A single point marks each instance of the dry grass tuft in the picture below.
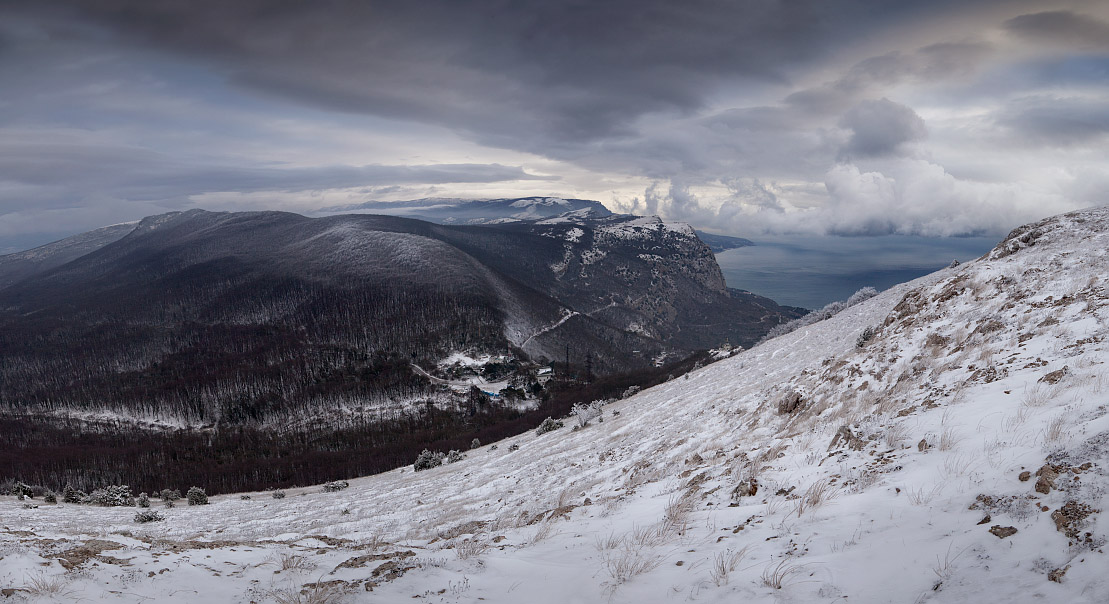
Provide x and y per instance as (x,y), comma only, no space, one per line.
(1056,429)
(318,593)
(818,493)
(630,562)
(724,563)
(608,543)
(373,543)
(895,435)
(949,439)
(52,587)
(777,576)
(1035,395)
(678,510)
(650,535)
(946,567)
(545,530)
(471,548)
(1015,421)
(957,465)
(922,497)
(294,562)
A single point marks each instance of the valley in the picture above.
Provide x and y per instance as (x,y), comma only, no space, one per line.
(207,332)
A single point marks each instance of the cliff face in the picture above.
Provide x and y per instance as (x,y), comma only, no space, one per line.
(648,277)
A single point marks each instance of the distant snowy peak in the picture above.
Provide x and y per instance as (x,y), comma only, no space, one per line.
(531,202)
(479,211)
(538,210)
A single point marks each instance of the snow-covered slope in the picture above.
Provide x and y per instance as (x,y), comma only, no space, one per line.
(21,265)
(959,455)
(479,211)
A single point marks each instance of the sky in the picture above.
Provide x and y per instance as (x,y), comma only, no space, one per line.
(773,118)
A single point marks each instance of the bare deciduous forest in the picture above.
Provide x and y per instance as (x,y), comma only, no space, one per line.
(240,457)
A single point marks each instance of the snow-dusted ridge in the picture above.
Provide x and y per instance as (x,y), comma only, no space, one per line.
(897,475)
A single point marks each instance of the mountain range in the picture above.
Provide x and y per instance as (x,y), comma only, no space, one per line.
(944,441)
(196,318)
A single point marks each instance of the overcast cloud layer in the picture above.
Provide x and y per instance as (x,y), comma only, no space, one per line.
(822,117)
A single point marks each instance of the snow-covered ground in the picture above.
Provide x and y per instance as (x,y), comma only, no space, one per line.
(960,455)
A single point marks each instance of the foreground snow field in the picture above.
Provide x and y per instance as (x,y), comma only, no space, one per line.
(960,455)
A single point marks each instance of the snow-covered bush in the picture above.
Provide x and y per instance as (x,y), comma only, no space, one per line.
(335,486)
(454,455)
(630,391)
(862,295)
(112,495)
(514,447)
(148,516)
(475,443)
(197,496)
(427,460)
(169,495)
(548,425)
(279,494)
(50,497)
(586,412)
(72,495)
(866,336)
(143,501)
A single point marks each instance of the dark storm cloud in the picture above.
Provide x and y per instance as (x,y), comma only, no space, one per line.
(881,128)
(933,62)
(525,75)
(1057,121)
(138,174)
(765,106)
(1062,27)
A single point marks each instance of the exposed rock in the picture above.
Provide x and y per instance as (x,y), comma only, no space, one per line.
(923,445)
(1025,476)
(906,308)
(472,527)
(360,561)
(1057,574)
(1002,532)
(1019,238)
(846,438)
(985,520)
(789,402)
(1046,481)
(935,340)
(1070,517)
(746,488)
(77,556)
(1055,376)
(989,327)
(390,570)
